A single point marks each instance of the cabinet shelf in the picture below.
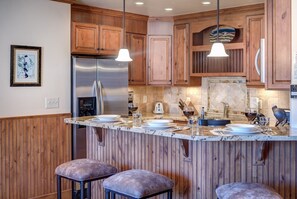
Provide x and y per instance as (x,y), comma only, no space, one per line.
(227,47)
(227,66)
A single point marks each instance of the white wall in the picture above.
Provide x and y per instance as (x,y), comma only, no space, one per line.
(41,23)
(293,102)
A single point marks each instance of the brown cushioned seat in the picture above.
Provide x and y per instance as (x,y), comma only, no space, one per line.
(138,183)
(241,190)
(85,170)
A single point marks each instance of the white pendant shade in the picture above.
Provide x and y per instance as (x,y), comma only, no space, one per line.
(124,55)
(217,50)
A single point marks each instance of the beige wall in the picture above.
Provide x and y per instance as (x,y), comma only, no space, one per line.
(41,23)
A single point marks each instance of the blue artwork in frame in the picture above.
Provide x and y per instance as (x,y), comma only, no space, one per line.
(25,66)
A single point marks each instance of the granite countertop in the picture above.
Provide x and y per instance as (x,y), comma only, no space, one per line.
(196,133)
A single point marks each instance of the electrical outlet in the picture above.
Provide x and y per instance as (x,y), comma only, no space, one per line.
(144,99)
(51,103)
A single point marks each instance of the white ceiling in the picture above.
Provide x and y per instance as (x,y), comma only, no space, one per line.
(155,8)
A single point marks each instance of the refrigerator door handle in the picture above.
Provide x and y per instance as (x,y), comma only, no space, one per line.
(263,61)
(101,98)
(96,93)
(256,62)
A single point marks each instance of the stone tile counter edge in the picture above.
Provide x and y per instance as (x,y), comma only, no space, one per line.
(196,133)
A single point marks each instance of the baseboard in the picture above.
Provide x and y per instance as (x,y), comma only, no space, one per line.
(65,195)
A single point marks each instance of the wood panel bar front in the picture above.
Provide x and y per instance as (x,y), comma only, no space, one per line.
(209,165)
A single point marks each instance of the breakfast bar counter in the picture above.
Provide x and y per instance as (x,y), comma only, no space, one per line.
(195,133)
(198,159)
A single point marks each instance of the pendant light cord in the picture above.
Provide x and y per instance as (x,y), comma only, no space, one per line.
(218,19)
(124,23)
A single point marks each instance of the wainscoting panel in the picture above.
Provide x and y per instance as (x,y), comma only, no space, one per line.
(210,164)
(31,148)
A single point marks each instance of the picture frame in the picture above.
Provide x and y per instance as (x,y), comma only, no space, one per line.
(25,66)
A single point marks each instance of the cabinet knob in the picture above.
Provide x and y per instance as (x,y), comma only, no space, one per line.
(98,48)
(186,80)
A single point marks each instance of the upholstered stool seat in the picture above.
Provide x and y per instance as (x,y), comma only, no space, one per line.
(83,171)
(240,190)
(138,184)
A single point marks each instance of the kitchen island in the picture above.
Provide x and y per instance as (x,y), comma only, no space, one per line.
(196,159)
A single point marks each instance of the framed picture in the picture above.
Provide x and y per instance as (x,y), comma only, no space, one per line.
(25,65)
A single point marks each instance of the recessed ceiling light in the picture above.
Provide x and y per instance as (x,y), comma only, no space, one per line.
(139,3)
(205,2)
(168,9)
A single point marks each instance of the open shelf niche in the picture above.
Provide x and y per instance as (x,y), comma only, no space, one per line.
(229,66)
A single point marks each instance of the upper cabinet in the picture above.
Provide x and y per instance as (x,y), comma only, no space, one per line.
(85,38)
(181,74)
(255,32)
(159,60)
(232,33)
(136,44)
(95,39)
(110,39)
(278,44)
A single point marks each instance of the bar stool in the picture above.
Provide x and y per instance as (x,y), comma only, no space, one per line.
(239,190)
(137,184)
(83,171)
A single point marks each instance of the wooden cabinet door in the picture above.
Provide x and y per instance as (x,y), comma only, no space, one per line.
(84,38)
(160,60)
(278,21)
(181,55)
(255,31)
(110,40)
(137,68)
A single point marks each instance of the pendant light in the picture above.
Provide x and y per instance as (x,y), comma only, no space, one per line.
(218,49)
(124,55)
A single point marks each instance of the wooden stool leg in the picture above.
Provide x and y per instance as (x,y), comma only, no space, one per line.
(169,194)
(89,190)
(82,187)
(107,195)
(112,195)
(58,187)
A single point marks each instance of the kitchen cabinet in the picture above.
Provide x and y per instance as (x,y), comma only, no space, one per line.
(136,44)
(278,44)
(160,60)
(95,39)
(255,31)
(181,65)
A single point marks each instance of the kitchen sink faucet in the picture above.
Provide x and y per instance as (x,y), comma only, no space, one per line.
(226,110)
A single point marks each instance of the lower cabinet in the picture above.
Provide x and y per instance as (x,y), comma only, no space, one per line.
(136,44)
(159,64)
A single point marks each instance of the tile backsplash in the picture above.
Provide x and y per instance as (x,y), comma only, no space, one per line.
(210,95)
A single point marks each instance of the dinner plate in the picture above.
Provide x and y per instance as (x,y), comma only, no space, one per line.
(108,118)
(159,122)
(244,128)
(250,132)
(146,126)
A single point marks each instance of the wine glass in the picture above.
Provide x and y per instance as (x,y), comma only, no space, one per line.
(188,111)
(250,115)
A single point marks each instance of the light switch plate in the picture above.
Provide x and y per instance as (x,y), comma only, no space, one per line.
(51,103)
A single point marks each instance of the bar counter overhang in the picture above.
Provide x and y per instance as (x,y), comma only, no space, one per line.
(197,161)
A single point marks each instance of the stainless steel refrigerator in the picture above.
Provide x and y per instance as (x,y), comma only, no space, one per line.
(99,86)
